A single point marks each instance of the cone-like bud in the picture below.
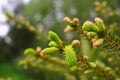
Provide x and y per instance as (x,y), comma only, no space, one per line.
(67,19)
(54,37)
(50,50)
(68,28)
(91,34)
(38,49)
(98,42)
(75,20)
(92,64)
(99,23)
(29,51)
(42,53)
(22,62)
(70,56)
(52,44)
(90,26)
(75,43)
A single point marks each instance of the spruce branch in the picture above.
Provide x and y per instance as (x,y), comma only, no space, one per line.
(44,63)
(31,56)
(71,57)
(97,69)
(97,33)
(112,42)
(23,23)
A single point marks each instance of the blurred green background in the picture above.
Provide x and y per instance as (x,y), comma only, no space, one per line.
(47,15)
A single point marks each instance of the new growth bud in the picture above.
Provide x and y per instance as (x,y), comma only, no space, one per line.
(42,53)
(38,49)
(99,23)
(93,65)
(50,50)
(90,26)
(91,34)
(54,37)
(75,43)
(68,28)
(75,20)
(22,62)
(70,56)
(97,42)
(29,51)
(67,19)
(52,44)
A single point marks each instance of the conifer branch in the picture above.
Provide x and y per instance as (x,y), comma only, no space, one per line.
(97,33)
(21,22)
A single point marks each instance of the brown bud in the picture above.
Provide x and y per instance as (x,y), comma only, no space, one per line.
(42,53)
(66,19)
(93,40)
(75,20)
(38,49)
(76,43)
(68,28)
(96,44)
